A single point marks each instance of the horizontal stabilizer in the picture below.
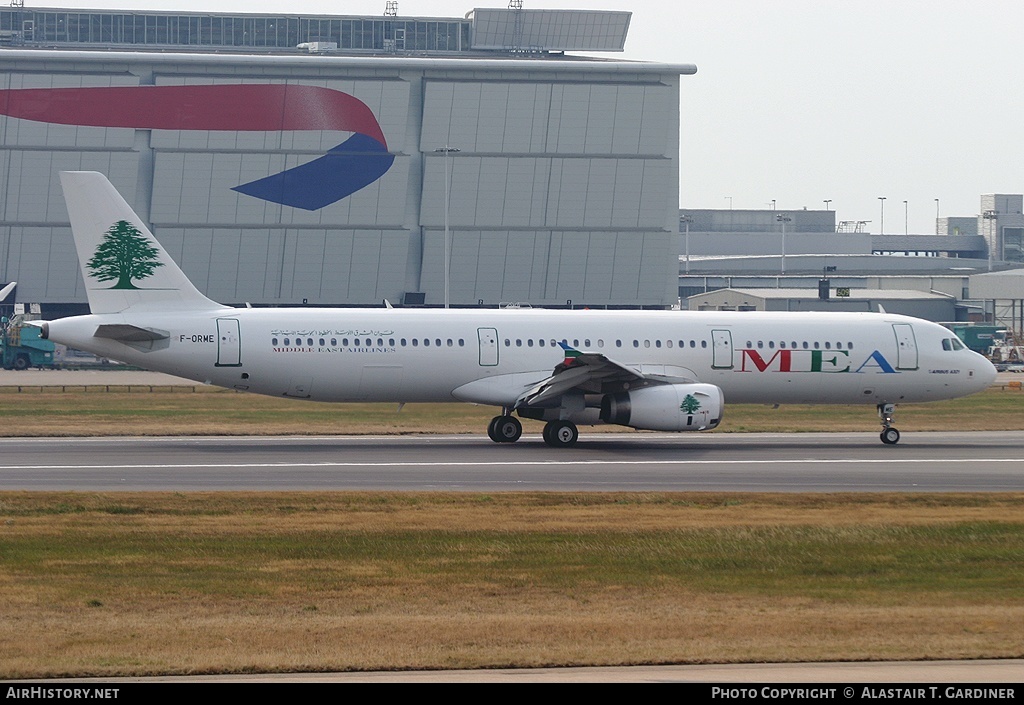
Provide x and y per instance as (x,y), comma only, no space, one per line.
(125,333)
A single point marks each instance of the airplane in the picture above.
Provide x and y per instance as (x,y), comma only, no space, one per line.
(653,370)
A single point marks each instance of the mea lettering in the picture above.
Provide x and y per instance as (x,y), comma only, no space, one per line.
(811,361)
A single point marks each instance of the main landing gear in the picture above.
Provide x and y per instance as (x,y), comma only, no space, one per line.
(561,434)
(557,434)
(890,436)
(504,429)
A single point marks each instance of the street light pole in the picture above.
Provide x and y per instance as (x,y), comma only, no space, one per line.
(881,225)
(906,218)
(447,199)
(686,221)
(991,219)
(783,218)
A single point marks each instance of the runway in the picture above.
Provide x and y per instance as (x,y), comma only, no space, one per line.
(721,462)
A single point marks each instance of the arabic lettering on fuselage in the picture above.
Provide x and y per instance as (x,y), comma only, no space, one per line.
(322,332)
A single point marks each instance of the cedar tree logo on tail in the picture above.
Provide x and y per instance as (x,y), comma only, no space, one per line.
(124,254)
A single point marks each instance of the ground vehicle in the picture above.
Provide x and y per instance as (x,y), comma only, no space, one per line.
(22,347)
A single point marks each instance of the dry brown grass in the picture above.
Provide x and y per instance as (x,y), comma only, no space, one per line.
(233,582)
(210,411)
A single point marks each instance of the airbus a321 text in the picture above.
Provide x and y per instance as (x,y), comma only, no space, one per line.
(657,370)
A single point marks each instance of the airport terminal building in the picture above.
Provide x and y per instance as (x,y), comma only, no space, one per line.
(291,159)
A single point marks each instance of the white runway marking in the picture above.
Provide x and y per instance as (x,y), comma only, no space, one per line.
(510,463)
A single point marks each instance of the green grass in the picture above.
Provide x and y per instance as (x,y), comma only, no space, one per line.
(145,549)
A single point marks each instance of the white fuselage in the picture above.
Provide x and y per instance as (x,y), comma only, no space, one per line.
(406,355)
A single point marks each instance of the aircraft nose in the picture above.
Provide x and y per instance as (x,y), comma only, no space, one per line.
(985,373)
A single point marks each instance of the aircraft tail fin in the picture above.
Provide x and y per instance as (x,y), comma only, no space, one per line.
(122,264)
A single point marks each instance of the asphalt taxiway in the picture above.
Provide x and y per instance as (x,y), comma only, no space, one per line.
(754,462)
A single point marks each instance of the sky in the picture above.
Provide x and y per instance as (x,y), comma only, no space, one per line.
(799,102)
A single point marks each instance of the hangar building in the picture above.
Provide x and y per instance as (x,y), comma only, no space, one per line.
(284,159)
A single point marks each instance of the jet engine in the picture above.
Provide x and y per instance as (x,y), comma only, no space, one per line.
(666,407)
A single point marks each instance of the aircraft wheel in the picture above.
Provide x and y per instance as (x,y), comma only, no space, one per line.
(561,434)
(492,429)
(505,429)
(890,436)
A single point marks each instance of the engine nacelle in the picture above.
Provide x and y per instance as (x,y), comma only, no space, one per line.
(666,407)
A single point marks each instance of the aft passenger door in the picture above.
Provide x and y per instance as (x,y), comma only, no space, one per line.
(229,343)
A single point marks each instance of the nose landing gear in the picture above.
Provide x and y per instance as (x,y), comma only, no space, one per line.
(890,436)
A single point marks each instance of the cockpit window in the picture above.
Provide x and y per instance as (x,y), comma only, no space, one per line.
(952,344)
(957,345)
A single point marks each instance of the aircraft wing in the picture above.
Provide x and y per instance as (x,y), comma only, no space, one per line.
(589,372)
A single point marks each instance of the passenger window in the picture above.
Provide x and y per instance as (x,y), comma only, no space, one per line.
(309,342)
(273,341)
(657,343)
(529,343)
(402,341)
(519,342)
(415,342)
(437,342)
(828,345)
(451,343)
(541,342)
(322,342)
(462,343)
(618,343)
(771,344)
(647,343)
(703,343)
(586,342)
(636,343)
(334,342)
